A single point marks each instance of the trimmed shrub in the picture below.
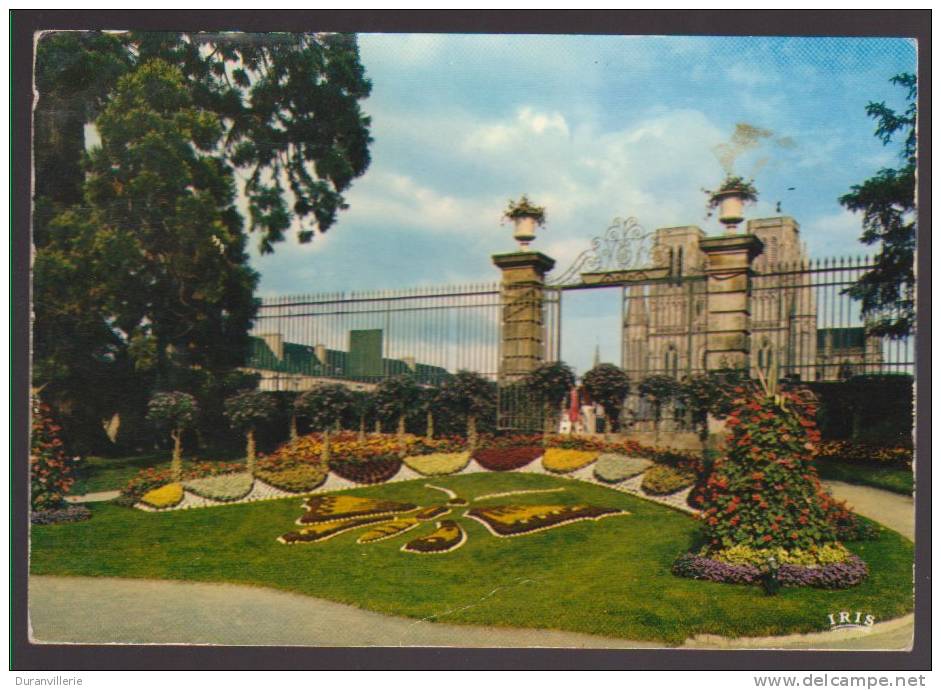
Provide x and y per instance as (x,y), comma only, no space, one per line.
(435,464)
(295,480)
(765,493)
(166,496)
(614,467)
(227,487)
(562,460)
(58,516)
(661,480)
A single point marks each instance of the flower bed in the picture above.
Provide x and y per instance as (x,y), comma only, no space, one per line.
(297,480)
(505,459)
(338,507)
(661,480)
(448,537)
(612,468)
(346,445)
(431,513)
(437,464)
(387,530)
(153,478)
(516,520)
(58,516)
(372,470)
(745,555)
(841,575)
(226,487)
(166,496)
(325,530)
(865,453)
(562,460)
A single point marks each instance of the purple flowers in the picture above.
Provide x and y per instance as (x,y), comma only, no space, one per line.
(831,576)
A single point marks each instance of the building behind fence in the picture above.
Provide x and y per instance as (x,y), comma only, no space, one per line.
(697,303)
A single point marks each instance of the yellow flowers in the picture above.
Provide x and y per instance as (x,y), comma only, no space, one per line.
(567,460)
(334,507)
(516,520)
(436,464)
(166,496)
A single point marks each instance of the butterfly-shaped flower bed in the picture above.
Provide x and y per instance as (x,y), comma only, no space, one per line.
(330,515)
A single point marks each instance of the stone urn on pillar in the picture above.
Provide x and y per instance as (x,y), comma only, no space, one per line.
(526,217)
(730,199)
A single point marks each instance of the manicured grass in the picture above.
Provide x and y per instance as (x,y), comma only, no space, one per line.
(610,577)
(893,479)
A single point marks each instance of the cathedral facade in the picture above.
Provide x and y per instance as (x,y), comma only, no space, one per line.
(665,322)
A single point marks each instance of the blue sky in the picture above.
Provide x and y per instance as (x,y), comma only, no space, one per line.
(592,127)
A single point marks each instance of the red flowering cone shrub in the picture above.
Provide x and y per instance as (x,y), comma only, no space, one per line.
(765,493)
(52,472)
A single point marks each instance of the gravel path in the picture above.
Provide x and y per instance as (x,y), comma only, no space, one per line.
(94,610)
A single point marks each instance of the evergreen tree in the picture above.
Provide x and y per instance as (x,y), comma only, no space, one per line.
(887,202)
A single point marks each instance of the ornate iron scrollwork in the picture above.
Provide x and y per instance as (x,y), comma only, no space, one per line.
(624,246)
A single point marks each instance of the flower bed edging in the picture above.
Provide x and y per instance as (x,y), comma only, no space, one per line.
(831,576)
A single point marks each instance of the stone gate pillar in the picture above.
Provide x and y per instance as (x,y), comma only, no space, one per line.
(522,346)
(728,277)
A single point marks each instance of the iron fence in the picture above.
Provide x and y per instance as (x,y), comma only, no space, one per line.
(364,337)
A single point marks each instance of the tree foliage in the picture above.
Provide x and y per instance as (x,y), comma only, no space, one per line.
(324,404)
(141,278)
(661,390)
(887,204)
(550,382)
(246,410)
(609,386)
(472,396)
(396,397)
(711,393)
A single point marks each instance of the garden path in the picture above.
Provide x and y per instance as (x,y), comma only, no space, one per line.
(94,610)
(892,510)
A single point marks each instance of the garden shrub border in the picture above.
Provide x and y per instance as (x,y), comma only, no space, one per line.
(498,459)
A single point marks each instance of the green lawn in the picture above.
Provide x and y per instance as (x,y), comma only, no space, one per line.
(893,479)
(610,577)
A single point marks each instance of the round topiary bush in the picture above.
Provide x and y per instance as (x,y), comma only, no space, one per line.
(613,468)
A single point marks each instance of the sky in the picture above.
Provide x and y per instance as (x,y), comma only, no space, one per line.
(592,128)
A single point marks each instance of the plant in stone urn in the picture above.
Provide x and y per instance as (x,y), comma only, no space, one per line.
(730,198)
(526,216)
